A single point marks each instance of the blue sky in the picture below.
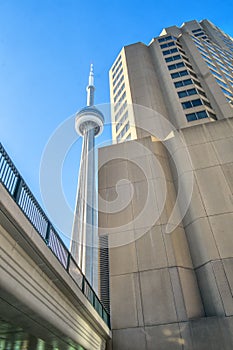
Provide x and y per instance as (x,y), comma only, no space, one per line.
(46,48)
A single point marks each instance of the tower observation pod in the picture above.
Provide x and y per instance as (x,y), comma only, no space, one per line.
(89,123)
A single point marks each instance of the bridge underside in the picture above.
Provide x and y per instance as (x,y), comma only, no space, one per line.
(13,337)
(41,307)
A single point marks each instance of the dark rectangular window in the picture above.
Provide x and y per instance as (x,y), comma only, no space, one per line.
(165,39)
(191,117)
(176,65)
(167,45)
(188,92)
(167,52)
(172,58)
(196,30)
(190,104)
(186,105)
(180,83)
(196,102)
(179,74)
(198,34)
(188,81)
(195,116)
(201,115)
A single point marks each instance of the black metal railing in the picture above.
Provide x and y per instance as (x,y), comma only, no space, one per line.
(19,191)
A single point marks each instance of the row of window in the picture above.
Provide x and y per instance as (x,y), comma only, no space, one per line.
(167,38)
(211,66)
(118,84)
(168,52)
(196,115)
(173,58)
(188,92)
(123,107)
(117,77)
(193,103)
(119,92)
(215,73)
(176,66)
(198,34)
(163,46)
(117,61)
(186,82)
(123,131)
(122,120)
(200,115)
(117,69)
(119,101)
(220,82)
(226,92)
(179,74)
(196,30)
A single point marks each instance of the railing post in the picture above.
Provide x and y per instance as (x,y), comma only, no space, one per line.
(47,233)
(83,285)
(18,188)
(68,262)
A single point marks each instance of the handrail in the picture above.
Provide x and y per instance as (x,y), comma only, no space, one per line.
(20,192)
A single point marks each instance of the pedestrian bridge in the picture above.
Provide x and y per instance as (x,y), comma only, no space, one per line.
(45,301)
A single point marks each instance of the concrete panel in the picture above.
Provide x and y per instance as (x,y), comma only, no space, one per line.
(223,287)
(157,297)
(224,149)
(145,209)
(203,155)
(195,135)
(220,130)
(191,293)
(130,339)
(124,301)
(139,169)
(178,294)
(214,190)
(164,337)
(228,172)
(119,207)
(201,242)
(210,333)
(222,227)
(228,267)
(181,248)
(196,207)
(123,259)
(211,298)
(116,170)
(152,243)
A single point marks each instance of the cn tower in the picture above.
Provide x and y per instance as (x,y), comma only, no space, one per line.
(89,123)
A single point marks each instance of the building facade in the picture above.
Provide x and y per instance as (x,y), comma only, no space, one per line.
(185,74)
(166,195)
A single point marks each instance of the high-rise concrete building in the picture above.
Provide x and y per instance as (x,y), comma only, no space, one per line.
(185,74)
(84,241)
(166,195)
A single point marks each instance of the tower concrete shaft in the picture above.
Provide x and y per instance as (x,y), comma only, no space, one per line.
(84,243)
